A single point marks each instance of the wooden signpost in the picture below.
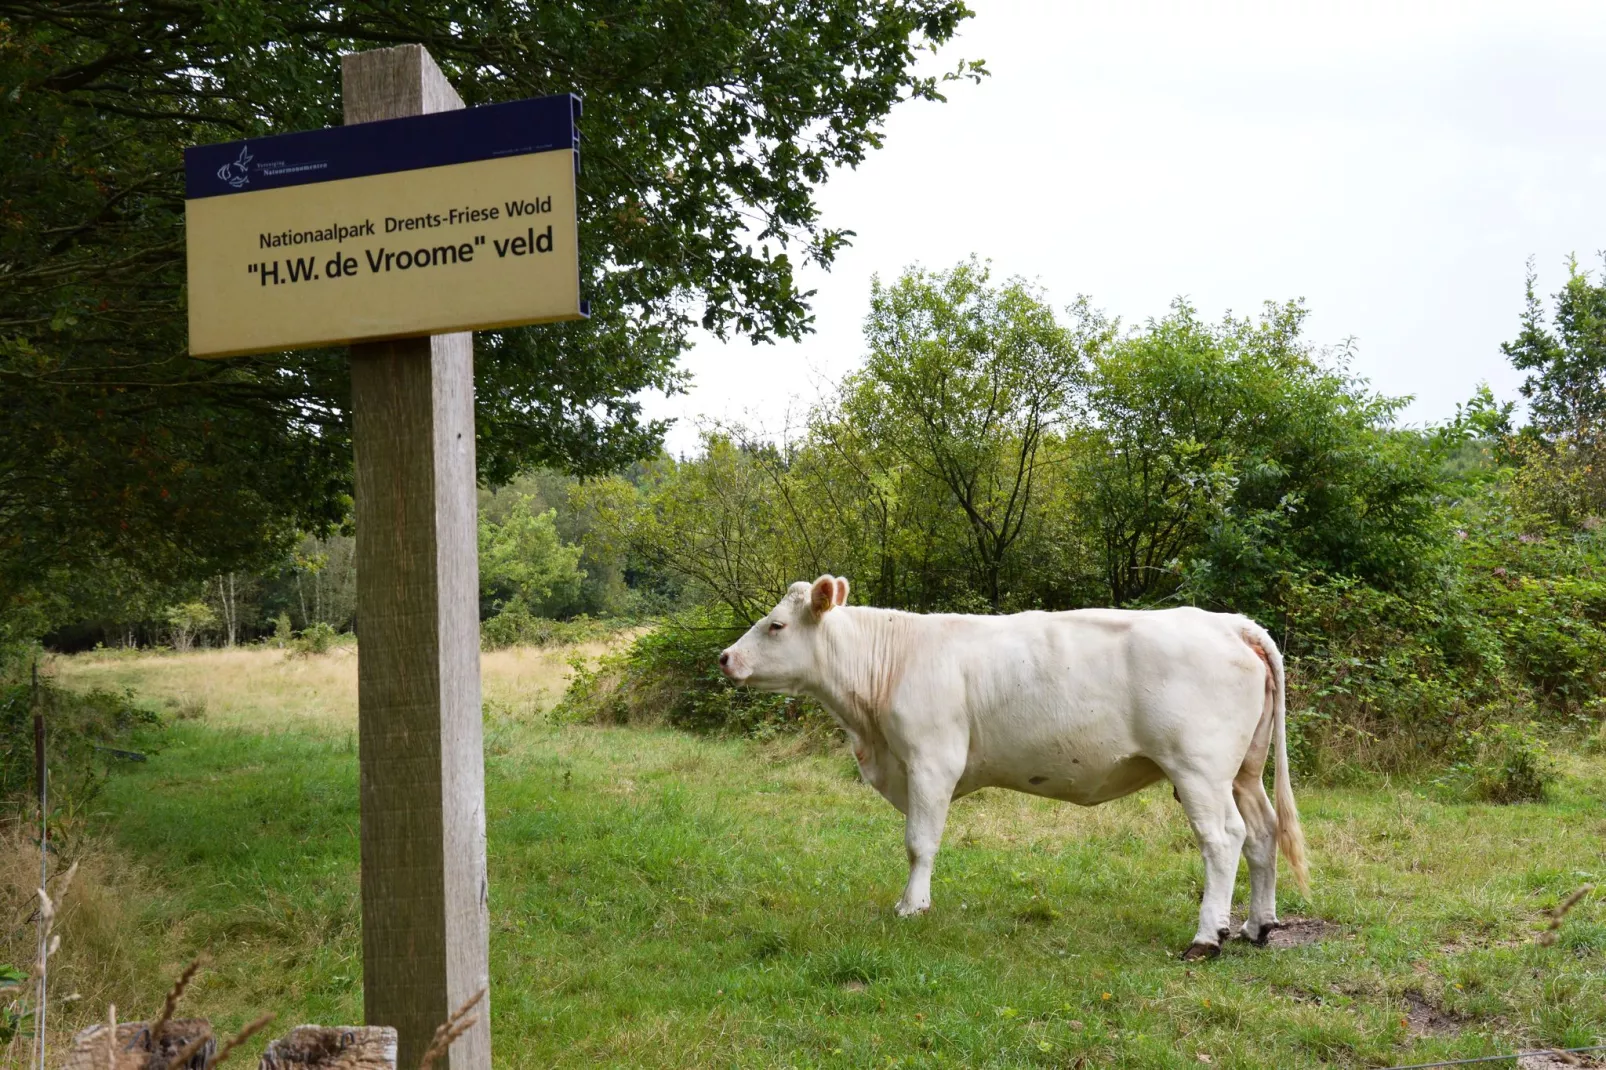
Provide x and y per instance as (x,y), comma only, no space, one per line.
(382,235)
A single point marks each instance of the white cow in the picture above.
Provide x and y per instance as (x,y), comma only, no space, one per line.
(1083,706)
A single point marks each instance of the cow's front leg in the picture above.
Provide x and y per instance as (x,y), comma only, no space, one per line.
(930,790)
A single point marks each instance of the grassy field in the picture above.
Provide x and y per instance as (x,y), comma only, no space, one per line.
(664,900)
(263,689)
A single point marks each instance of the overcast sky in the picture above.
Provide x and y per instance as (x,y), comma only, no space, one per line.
(1392,164)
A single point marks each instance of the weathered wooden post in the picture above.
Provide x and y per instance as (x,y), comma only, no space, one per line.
(416,219)
(425,924)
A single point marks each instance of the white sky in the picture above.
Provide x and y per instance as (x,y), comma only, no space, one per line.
(1394,164)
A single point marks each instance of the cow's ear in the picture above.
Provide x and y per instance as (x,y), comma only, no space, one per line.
(841,591)
(822,596)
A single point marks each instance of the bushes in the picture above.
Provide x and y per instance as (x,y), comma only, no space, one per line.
(1501,631)
(315,638)
(1379,679)
(1503,763)
(671,675)
(1544,595)
(1508,630)
(515,625)
(82,731)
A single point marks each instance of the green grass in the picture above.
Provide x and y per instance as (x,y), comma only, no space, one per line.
(663,900)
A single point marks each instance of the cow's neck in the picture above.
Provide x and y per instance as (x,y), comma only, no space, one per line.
(862,654)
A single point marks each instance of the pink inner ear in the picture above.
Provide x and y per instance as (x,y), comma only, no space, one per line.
(841,591)
(822,595)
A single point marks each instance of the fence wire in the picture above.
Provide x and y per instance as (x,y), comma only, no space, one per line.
(1499,1058)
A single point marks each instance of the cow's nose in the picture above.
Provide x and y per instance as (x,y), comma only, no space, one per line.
(724,659)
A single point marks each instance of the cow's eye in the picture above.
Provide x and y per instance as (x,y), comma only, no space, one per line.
(776,626)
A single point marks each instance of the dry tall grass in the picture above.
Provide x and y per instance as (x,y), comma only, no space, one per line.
(534,678)
(101,953)
(261,687)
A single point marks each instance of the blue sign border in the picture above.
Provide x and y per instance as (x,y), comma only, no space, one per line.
(516,128)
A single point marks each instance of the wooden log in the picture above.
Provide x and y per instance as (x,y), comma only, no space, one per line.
(133,1046)
(424,889)
(346,1047)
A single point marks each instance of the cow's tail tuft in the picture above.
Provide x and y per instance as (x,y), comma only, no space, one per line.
(1290,836)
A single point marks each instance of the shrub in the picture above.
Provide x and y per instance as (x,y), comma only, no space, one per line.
(83,733)
(1544,594)
(671,675)
(1510,620)
(315,638)
(283,634)
(1382,680)
(515,625)
(1503,763)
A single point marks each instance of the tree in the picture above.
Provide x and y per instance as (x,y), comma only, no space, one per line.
(1566,385)
(708,126)
(716,522)
(964,381)
(323,575)
(603,590)
(234,592)
(1222,459)
(187,621)
(523,559)
(1562,479)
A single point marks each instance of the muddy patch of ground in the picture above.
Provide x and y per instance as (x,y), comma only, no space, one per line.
(1423,1019)
(1297,932)
(1474,942)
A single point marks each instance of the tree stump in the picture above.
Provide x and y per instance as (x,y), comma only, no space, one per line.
(350,1047)
(133,1046)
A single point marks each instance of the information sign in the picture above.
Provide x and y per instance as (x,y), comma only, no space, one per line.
(430,224)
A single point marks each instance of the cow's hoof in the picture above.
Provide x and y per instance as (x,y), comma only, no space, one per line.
(1263,937)
(906,911)
(1197,951)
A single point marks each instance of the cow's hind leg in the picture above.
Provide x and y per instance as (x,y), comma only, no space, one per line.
(930,790)
(1260,848)
(1220,831)
(1260,819)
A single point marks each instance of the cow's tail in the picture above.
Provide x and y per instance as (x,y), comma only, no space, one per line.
(1290,836)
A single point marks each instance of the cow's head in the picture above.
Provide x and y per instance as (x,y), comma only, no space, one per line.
(778,653)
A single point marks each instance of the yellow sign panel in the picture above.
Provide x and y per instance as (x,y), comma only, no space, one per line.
(452,221)
(469,246)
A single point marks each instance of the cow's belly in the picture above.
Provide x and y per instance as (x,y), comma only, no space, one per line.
(1086,775)
(1092,786)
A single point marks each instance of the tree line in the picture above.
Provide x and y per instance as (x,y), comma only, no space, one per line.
(537,563)
(995,453)
(126,465)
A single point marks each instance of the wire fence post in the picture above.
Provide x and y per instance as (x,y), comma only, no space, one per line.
(41,782)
